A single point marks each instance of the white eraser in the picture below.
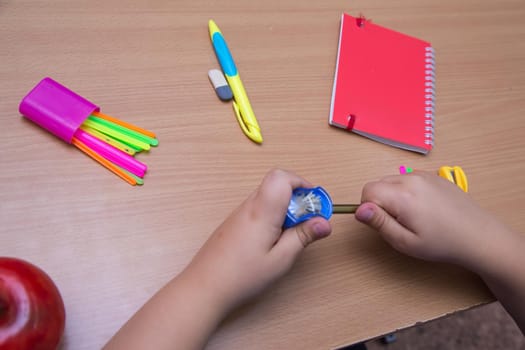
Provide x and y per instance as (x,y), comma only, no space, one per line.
(220,84)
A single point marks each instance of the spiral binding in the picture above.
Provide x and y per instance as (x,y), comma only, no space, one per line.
(430,95)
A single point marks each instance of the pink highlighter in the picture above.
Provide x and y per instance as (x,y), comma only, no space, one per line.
(77,121)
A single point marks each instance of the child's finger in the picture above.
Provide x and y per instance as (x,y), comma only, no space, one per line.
(279,177)
(391,196)
(273,195)
(295,239)
(392,231)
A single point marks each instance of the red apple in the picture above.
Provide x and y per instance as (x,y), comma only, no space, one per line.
(32,314)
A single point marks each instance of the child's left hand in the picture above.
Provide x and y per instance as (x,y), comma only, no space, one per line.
(245,254)
(249,250)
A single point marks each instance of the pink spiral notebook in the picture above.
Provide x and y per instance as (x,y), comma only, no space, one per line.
(384,85)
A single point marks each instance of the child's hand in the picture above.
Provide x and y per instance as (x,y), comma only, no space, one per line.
(419,214)
(245,254)
(426,216)
(249,250)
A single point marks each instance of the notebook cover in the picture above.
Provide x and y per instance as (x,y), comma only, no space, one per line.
(384,85)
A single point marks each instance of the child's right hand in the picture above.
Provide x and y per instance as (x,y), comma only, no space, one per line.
(428,217)
(425,216)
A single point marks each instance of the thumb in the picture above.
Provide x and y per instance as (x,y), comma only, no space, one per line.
(295,239)
(398,236)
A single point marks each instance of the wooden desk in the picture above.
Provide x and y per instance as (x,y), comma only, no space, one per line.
(110,246)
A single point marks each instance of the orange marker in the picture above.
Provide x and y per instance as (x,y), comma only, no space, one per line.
(124,124)
(103,161)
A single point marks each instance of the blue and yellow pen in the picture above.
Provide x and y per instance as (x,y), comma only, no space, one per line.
(241,104)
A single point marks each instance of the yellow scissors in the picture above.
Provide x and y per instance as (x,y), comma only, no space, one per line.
(455,175)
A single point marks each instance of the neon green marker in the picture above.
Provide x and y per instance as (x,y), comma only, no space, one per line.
(117,134)
(108,139)
(144,138)
(138,179)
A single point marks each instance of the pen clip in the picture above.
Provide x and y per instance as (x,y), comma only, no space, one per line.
(252,132)
(455,175)
(460,178)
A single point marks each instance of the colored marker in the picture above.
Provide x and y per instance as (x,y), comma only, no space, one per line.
(104,162)
(124,124)
(117,135)
(112,154)
(131,133)
(108,139)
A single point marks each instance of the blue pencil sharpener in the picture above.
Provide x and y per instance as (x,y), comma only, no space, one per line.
(307,203)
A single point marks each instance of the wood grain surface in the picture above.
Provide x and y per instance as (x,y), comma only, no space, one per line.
(110,246)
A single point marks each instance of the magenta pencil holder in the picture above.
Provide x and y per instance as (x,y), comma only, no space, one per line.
(74,119)
(56,108)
